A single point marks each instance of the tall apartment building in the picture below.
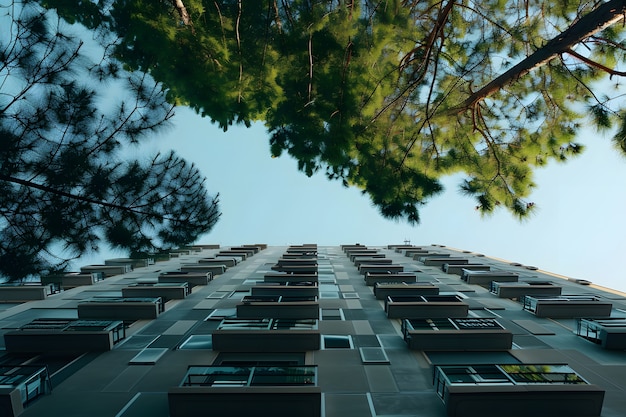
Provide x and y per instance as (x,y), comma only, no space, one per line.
(341,331)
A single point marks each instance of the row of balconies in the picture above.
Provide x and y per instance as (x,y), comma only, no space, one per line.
(491,389)
(100,324)
(280,315)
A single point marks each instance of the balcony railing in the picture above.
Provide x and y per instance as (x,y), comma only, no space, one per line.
(610,332)
(65,335)
(27,381)
(516,390)
(566,306)
(250,376)
(456,334)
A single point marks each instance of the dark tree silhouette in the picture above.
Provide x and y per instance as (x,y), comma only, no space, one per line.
(65,185)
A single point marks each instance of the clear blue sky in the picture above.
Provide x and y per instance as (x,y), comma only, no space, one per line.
(577,230)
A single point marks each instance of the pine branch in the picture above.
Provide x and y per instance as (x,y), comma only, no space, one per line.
(593,22)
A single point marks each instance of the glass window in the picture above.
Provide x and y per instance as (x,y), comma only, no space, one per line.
(199,341)
(336,342)
(332,314)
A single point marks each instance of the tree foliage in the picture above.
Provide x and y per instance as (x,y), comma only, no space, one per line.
(391,95)
(64,184)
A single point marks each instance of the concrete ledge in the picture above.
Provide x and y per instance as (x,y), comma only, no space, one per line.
(227,262)
(485,278)
(358,261)
(210,268)
(119,310)
(167,291)
(393,269)
(373,278)
(19,341)
(460,340)
(460,269)
(523,401)
(440,261)
(192,278)
(107,270)
(23,293)
(519,289)
(266,340)
(383,290)
(275,401)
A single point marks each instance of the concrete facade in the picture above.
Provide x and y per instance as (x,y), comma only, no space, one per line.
(363,366)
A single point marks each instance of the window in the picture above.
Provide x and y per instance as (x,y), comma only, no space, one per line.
(198,341)
(332,314)
(336,342)
(242,376)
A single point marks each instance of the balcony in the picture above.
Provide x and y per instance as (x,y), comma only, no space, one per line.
(167,291)
(107,270)
(65,335)
(516,290)
(425,306)
(353,256)
(301,255)
(519,390)
(296,267)
(290,277)
(119,308)
(382,290)
(610,333)
(288,289)
(428,254)
(242,255)
(359,260)
(410,253)
(460,269)
(204,268)
(485,278)
(78,279)
(373,278)
(380,269)
(18,292)
(227,262)
(220,391)
(280,307)
(21,384)
(566,306)
(439,262)
(297,261)
(134,263)
(460,334)
(191,278)
(266,335)
(302,249)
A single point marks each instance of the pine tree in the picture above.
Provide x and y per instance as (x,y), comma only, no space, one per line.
(392,95)
(65,186)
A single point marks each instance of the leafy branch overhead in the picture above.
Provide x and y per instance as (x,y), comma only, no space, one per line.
(390,95)
(64,185)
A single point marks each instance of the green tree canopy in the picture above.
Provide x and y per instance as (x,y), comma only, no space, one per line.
(65,186)
(390,95)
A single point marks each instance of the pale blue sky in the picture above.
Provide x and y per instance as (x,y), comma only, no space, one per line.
(577,230)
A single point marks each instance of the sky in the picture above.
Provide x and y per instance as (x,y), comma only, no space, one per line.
(576,231)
